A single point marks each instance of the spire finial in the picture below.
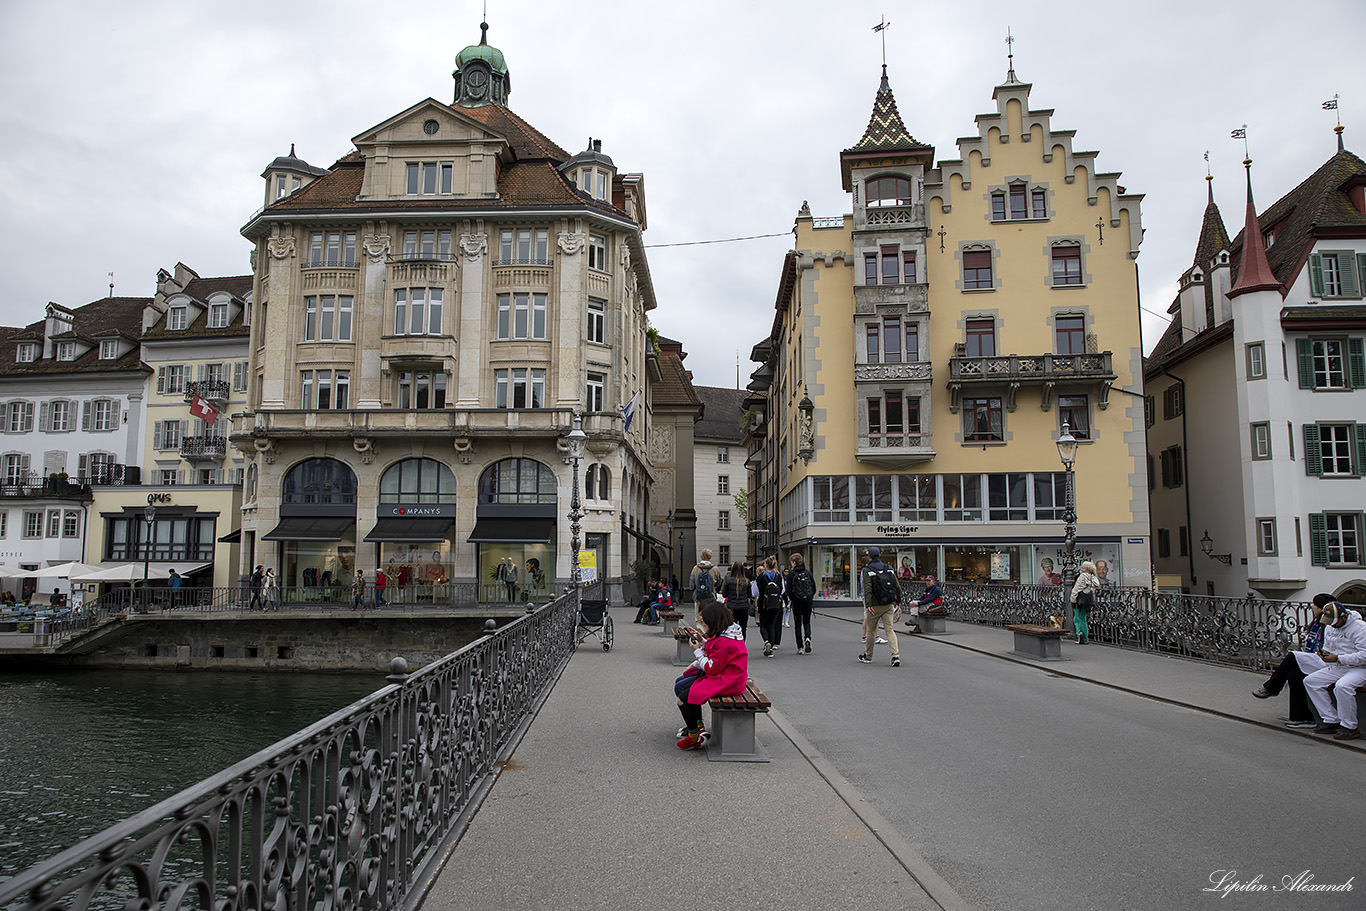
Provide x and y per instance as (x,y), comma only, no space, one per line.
(1338,129)
(291,150)
(882,27)
(1010,56)
(483,34)
(1209,177)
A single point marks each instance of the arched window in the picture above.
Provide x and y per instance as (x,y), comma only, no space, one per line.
(598,483)
(888,191)
(417,481)
(317,481)
(518,481)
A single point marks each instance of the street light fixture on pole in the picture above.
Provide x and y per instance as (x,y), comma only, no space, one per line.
(149,513)
(578,441)
(1067,451)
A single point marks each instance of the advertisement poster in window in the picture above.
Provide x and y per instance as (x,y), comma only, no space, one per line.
(588,566)
(1000,567)
(1104,555)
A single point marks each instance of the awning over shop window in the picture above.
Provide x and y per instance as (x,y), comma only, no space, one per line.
(310,528)
(232,537)
(401,528)
(512,530)
(641,536)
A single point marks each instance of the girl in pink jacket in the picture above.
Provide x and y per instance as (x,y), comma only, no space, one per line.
(721,669)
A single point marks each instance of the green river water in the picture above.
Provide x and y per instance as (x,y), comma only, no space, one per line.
(81,750)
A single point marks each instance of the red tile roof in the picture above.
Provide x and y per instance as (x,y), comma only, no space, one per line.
(95,319)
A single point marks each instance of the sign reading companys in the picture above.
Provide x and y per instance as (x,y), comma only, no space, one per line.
(416,511)
(898,531)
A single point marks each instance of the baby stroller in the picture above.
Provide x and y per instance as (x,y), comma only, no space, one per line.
(593,619)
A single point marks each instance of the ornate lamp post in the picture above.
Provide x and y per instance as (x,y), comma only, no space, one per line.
(1067,451)
(578,441)
(149,513)
(1207,548)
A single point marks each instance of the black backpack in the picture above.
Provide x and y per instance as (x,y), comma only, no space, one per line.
(803,585)
(883,586)
(772,590)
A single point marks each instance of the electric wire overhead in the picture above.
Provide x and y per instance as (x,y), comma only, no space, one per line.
(724,240)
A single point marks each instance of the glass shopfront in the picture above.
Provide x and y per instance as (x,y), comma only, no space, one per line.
(516,572)
(317,531)
(414,531)
(322,570)
(515,531)
(983,563)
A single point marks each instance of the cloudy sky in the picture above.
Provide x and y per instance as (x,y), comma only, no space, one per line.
(135,133)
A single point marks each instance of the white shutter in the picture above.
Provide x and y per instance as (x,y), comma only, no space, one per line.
(116,414)
(83,464)
(161,379)
(43,417)
(239,376)
(85,415)
(24,464)
(28,416)
(203,372)
(156,434)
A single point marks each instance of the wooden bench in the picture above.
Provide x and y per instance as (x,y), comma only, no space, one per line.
(670,619)
(732,726)
(1043,643)
(683,650)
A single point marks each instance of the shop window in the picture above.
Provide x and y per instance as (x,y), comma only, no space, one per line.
(523,481)
(417,481)
(319,481)
(917,498)
(831,499)
(872,498)
(1008,497)
(962,497)
(1050,496)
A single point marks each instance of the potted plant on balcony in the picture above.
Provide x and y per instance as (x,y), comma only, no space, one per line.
(58,482)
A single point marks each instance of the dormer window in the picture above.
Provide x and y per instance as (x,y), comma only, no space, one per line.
(109,350)
(1269,237)
(1197,277)
(178,318)
(887,191)
(429,178)
(218,315)
(26,353)
(66,351)
(1223,257)
(595,182)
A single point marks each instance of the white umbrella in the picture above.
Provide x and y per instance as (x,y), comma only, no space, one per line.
(122,572)
(7,573)
(62,571)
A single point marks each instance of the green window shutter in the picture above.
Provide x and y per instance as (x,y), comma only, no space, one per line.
(1360,431)
(1316,274)
(1304,354)
(1356,363)
(1347,269)
(1318,539)
(1313,455)
(1361,270)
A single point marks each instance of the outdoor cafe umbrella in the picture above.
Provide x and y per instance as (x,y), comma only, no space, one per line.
(62,570)
(122,572)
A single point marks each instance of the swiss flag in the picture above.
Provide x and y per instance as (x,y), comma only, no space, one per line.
(202,409)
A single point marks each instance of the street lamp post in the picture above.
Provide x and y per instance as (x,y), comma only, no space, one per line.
(1067,451)
(577,440)
(149,513)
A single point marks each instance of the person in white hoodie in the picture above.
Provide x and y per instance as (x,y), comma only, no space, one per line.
(1341,667)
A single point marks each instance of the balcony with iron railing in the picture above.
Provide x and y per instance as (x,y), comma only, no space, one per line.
(209,390)
(204,448)
(1011,371)
(32,485)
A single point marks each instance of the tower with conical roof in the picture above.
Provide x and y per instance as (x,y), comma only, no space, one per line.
(1202,298)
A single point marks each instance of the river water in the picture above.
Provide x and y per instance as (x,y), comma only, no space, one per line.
(81,750)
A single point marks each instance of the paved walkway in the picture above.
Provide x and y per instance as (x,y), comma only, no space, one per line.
(598,809)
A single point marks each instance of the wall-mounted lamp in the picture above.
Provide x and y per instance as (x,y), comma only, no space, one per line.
(1207,548)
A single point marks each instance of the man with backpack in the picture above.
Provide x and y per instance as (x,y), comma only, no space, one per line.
(767,590)
(801,590)
(881,596)
(705,582)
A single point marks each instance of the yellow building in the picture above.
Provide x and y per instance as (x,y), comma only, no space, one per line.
(928,348)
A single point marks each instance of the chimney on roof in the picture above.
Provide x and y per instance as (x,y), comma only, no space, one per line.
(597,145)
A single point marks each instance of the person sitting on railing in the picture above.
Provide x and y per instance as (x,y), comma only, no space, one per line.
(1288,672)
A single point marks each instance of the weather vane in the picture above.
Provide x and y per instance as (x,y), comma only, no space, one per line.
(882,27)
(1241,133)
(1332,105)
(1010,53)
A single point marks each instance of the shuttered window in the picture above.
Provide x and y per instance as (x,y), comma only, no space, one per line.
(1336,273)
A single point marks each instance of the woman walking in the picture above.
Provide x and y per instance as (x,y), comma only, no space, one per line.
(1083,599)
(736,592)
(270,595)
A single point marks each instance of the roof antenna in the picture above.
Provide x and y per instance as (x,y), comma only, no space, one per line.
(1010,56)
(882,27)
(1333,106)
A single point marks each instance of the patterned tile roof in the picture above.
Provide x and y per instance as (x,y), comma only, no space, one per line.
(886,132)
(723,409)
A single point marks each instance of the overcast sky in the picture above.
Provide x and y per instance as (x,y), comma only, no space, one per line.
(135,133)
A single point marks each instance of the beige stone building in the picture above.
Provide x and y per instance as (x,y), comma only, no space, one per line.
(432,311)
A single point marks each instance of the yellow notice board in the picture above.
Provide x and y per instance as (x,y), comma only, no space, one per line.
(588,566)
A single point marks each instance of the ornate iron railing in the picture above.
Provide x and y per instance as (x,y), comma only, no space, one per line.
(1249,632)
(355,812)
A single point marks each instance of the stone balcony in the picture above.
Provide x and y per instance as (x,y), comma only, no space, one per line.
(894,451)
(908,372)
(1011,371)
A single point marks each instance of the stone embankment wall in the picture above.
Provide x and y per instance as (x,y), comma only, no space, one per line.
(364,644)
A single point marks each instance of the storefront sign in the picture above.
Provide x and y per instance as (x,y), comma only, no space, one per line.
(158,498)
(423,511)
(898,531)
